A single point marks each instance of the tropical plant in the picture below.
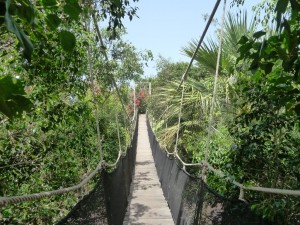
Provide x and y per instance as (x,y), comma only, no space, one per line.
(236,26)
(165,108)
(48,105)
(197,97)
(261,131)
(266,126)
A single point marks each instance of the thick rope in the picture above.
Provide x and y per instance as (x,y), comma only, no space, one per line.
(119,143)
(16,199)
(106,58)
(251,188)
(212,108)
(184,76)
(36,196)
(94,99)
(229,178)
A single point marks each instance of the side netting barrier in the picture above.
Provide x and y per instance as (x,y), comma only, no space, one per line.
(107,202)
(191,201)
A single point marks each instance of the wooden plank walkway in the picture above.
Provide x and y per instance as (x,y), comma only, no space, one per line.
(147,204)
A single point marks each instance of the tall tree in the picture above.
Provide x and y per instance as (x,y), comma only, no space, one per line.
(266,126)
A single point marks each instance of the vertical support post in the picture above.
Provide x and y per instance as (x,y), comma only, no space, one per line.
(150,91)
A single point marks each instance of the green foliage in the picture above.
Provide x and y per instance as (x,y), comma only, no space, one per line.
(12,100)
(48,130)
(44,151)
(21,15)
(266,133)
(255,137)
(234,28)
(53,21)
(266,126)
(117,10)
(13,27)
(170,71)
(128,61)
(72,9)
(197,100)
(67,40)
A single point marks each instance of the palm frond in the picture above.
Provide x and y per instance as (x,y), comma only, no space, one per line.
(235,27)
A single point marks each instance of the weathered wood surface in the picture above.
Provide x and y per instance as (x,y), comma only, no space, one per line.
(147,203)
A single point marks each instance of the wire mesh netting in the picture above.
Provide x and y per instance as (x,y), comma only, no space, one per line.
(107,202)
(191,201)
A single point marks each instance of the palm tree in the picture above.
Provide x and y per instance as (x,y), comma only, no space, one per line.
(198,93)
(167,100)
(235,27)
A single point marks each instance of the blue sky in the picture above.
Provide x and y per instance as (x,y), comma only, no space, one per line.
(165,26)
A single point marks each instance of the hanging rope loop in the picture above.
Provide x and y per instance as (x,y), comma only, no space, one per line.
(179,119)
(214,94)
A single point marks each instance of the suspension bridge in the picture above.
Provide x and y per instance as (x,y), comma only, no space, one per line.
(147,204)
(149,185)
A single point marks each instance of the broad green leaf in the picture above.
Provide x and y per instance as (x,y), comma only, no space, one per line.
(259,34)
(22,37)
(243,40)
(2,12)
(281,9)
(117,3)
(49,3)
(73,9)
(26,11)
(67,40)
(12,100)
(267,67)
(53,21)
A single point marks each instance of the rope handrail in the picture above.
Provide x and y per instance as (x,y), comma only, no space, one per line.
(187,164)
(91,77)
(251,188)
(106,58)
(120,149)
(228,178)
(36,196)
(204,164)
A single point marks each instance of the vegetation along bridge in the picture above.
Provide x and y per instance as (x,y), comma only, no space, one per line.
(152,186)
(214,141)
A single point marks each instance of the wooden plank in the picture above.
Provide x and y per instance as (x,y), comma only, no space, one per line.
(140,221)
(147,204)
